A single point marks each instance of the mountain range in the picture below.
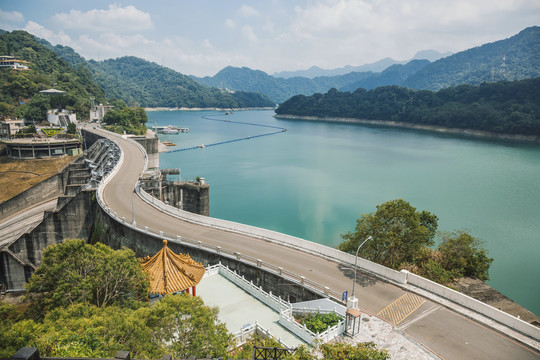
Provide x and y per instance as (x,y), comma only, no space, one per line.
(515,58)
(377,66)
(140,82)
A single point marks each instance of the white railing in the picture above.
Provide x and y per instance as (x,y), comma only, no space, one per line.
(242,336)
(287,320)
(272,301)
(438,292)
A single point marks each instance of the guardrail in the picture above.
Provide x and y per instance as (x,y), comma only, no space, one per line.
(402,278)
(241,336)
(284,308)
(287,320)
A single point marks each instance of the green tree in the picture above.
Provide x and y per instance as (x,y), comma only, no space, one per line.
(30,129)
(71,128)
(360,351)
(463,254)
(74,271)
(399,234)
(37,108)
(189,327)
(131,120)
(6,109)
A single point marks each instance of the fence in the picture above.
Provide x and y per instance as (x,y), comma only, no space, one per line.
(286,318)
(402,278)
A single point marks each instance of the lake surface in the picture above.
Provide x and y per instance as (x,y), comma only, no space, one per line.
(316,179)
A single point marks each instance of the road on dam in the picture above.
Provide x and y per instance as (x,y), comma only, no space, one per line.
(444,332)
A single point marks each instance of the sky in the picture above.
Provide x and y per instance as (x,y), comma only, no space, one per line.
(200,37)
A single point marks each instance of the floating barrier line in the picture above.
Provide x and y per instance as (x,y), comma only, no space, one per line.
(206,117)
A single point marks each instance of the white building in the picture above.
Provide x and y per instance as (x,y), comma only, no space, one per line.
(10,126)
(13,63)
(97,113)
(61,118)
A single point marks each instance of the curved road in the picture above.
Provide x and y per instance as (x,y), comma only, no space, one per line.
(447,334)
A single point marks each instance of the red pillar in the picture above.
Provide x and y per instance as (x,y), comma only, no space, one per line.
(193,290)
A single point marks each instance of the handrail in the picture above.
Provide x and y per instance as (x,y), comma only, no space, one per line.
(435,292)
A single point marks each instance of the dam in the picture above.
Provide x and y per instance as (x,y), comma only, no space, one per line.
(135,219)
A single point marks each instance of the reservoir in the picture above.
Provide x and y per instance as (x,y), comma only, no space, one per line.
(314,180)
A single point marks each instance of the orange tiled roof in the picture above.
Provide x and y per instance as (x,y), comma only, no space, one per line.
(170,272)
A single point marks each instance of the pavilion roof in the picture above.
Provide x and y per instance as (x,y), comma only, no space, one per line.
(52,91)
(170,272)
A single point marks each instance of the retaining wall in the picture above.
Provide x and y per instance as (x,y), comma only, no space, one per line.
(74,219)
(46,190)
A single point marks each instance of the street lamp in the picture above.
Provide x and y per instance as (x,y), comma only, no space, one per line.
(355,265)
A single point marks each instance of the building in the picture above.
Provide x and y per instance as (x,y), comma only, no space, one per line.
(9,127)
(61,117)
(13,63)
(35,147)
(97,112)
(172,273)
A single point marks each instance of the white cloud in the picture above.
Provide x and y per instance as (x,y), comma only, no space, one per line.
(115,18)
(207,44)
(11,16)
(10,20)
(269,25)
(247,11)
(230,23)
(248,32)
(361,31)
(49,35)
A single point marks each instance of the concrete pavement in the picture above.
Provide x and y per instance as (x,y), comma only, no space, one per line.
(445,332)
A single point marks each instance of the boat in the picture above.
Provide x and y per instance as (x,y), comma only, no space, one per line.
(169,130)
(201,146)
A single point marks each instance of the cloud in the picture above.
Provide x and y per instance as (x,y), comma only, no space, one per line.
(370,30)
(49,35)
(269,25)
(11,16)
(115,19)
(230,23)
(10,19)
(248,32)
(247,11)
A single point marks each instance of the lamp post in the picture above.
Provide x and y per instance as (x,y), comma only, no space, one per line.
(356,262)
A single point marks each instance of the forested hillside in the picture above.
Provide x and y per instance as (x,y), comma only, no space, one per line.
(393,75)
(501,107)
(47,70)
(140,82)
(485,63)
(515,58)
(277,89)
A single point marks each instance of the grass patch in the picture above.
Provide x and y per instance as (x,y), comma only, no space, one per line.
(17,175)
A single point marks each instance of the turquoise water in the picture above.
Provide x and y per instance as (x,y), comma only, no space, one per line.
(316,179)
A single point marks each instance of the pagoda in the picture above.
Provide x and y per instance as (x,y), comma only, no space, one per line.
(172,273)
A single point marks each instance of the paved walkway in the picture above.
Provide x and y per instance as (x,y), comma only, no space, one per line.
(237,308)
